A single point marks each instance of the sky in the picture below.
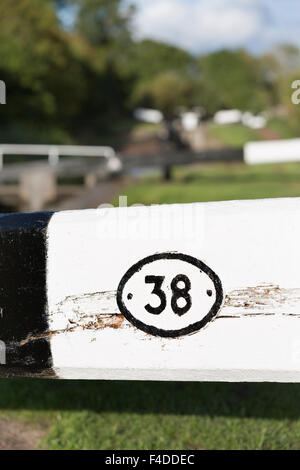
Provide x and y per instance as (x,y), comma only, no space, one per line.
(207,25)
(202,26)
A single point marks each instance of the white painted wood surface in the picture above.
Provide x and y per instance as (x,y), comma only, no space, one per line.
(252,246)
(272,151)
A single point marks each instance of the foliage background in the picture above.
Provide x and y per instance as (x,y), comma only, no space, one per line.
(80,84)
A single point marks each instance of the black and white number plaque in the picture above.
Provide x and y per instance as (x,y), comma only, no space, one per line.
(169,295)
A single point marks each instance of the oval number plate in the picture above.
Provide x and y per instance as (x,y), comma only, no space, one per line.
(169,295)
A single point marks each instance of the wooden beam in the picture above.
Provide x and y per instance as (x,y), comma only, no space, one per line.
(207,292)
(273,151)
(182,157)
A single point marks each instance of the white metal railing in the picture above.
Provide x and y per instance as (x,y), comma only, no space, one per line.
(55,151)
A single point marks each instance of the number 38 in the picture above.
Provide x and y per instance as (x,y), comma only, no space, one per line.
(178,292)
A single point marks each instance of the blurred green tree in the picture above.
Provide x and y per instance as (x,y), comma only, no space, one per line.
(41,67)
(57,83)
(79,83)
(101,22)
(149,58)
(167,91)
(232,79)
(164,76)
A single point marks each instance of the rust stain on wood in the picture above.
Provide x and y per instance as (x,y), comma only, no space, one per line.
(99,322)
(114,321)
(98,310)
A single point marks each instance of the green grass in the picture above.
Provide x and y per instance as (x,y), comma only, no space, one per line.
(237,135)
(233,135)
(148,415)
(283,128)
(219,182)
(142,128)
